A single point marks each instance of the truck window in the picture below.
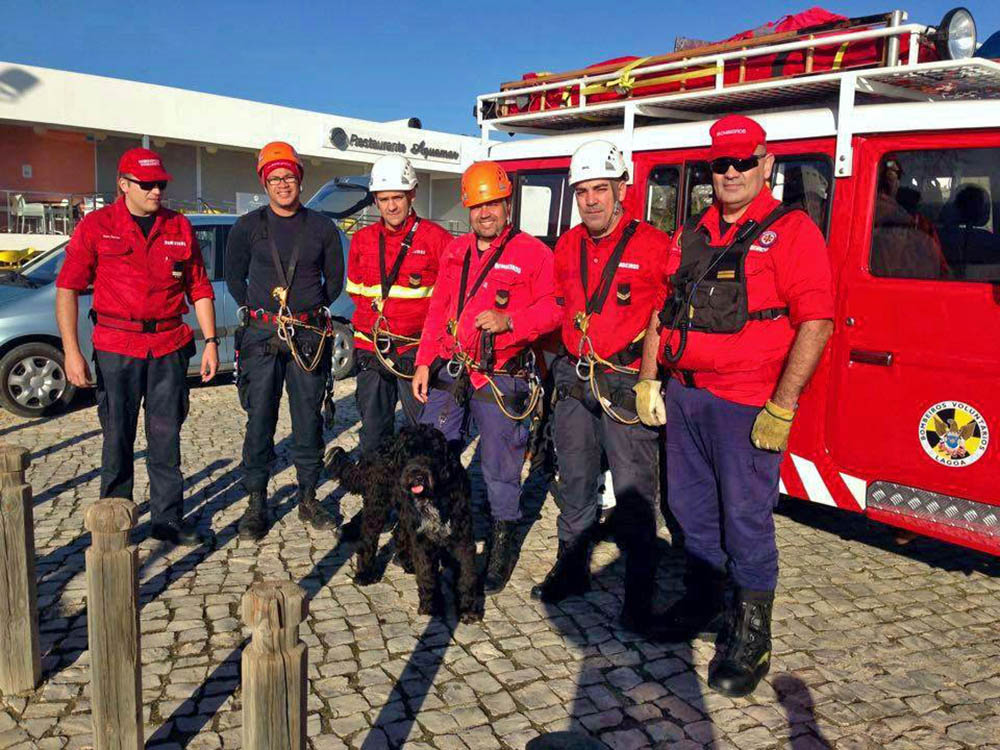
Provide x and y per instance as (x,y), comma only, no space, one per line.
(804,182)
(543,204)
(661,198)
(698,188)
(936,215)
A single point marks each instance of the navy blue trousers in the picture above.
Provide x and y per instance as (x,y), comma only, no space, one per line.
(159,384)
(502,441)
(722,489)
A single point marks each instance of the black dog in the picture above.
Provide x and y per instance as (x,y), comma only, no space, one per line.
(422,478)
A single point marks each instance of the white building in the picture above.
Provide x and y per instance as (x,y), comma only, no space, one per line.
(61,133)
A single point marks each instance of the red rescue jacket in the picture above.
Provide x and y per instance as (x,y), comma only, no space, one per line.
(410,294)
(788,266)
(136,278)
(638,286)
(520,285)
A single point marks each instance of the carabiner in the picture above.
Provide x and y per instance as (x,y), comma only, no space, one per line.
(454,368)
(589,364)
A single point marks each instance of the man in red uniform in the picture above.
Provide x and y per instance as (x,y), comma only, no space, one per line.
(142,261)
(493,298)
(391,270)
(609,280)
(750,312)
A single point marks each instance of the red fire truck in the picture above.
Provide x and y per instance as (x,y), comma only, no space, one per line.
(895,153)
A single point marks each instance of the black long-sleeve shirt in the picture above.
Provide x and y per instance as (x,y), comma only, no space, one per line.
(250,272)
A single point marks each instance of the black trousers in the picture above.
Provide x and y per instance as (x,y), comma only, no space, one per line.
(267,366)
(159,385)
(377,392)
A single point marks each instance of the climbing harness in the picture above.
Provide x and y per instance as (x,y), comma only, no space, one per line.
(588,360)
(461,364)
(385,341)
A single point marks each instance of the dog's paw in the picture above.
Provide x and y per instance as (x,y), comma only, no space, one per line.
(470,617)
(405,562)
(366,577)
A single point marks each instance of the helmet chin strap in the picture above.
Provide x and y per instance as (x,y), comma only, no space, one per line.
(615,213)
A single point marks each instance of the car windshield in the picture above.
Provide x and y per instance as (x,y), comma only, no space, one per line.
(44,268)
(340,198)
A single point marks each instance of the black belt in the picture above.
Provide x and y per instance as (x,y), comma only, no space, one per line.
(153,325)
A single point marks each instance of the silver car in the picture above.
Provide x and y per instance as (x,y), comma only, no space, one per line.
(32,379)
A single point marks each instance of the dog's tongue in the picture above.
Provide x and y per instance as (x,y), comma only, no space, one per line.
(417,489)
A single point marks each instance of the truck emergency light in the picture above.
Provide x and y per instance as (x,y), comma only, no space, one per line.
(956,35)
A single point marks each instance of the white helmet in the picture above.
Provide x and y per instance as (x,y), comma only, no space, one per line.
(392,172)
(597,160)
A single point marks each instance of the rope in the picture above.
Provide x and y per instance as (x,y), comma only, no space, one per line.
(287,323)
(378,330)
(589,357)
(463,362)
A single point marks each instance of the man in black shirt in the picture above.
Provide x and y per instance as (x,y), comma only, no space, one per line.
(284,265)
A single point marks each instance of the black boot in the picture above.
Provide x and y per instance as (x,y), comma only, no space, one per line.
(253,525)
(311,512)
(181,532)
(702,602)
(502,558)
(570,575)
(745,645)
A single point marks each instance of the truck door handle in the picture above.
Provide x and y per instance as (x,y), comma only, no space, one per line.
(863,356)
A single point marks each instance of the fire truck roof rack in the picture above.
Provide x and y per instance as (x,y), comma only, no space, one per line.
(892,80)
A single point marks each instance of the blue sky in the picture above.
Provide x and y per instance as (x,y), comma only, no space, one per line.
(380,60)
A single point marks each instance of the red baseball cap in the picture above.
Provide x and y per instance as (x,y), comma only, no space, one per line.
(736,136)
(143,164)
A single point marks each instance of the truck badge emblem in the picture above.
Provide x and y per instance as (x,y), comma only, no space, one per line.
(954,433)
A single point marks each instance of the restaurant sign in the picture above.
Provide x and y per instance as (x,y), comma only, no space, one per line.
(415,146)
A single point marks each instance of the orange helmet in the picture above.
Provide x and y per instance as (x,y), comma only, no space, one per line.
(278,154)
(483,182)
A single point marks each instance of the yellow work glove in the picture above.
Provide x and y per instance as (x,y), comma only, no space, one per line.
(649,404)
(771,428)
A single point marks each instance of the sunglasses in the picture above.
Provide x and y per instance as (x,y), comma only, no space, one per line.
(723,163)
(148,185)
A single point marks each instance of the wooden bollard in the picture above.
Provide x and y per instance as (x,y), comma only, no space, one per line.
(274,668)
(20,665)
(113,626)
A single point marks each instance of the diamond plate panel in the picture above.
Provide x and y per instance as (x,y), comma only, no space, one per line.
(931,506)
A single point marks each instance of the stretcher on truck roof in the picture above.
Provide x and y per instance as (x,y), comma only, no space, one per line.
(874,59)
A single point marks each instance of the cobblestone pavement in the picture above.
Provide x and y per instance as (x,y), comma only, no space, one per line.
(874,645)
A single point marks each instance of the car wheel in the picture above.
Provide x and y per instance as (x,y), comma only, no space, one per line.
(343,351)
(33,380)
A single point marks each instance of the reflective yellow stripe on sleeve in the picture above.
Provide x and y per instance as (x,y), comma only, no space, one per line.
(395,291)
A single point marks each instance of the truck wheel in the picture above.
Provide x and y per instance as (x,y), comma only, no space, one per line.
(33,382)
(342,345)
